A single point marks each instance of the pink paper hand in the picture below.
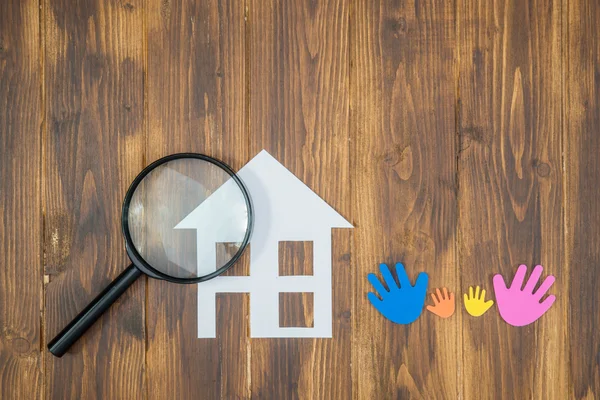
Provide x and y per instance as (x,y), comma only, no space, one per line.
(520,307)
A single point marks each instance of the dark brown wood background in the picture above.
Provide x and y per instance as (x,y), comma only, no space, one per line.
(461,137)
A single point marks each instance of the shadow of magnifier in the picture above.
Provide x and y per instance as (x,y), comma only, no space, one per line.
(174,214)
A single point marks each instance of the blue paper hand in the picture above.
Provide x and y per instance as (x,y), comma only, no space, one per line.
(400,304)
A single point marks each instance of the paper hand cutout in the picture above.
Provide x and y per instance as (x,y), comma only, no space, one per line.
(475,304)
(443,305)
(522,307)
(401,304)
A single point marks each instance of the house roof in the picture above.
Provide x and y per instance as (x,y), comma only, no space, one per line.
(283,204)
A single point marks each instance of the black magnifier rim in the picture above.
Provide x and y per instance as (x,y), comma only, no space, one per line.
(135,256)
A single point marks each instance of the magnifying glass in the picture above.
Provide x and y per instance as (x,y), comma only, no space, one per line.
(175,213)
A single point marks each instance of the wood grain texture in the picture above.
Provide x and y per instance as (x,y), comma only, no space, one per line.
(404,192)
(459,137)
(298,57)
(296,309)
(20,202)
(196,103)
(93,148)
(581,125)
(511,191)
(295,258)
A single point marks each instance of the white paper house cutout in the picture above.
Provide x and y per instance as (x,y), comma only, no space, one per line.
(285,209)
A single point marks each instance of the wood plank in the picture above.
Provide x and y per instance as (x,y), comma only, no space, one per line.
(404,191)
(233,330)
(581,124)
(299,113)
(511,191)
(94,137)
(196,102)
(20,202)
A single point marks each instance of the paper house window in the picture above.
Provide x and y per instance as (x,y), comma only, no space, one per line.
(241,267)
(295,258)
(296,310)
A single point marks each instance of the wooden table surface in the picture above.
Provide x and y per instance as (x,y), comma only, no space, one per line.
(461,137)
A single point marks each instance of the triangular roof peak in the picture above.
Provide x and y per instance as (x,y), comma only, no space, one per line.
(282,202)
(270,181)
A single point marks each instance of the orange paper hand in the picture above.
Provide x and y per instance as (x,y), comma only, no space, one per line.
(443,305)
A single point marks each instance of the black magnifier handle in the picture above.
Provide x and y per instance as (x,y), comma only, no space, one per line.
(77,327)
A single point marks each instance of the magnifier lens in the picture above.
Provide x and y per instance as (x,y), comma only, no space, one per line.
(181,211)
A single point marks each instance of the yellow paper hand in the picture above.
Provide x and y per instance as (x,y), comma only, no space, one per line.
(476,304)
